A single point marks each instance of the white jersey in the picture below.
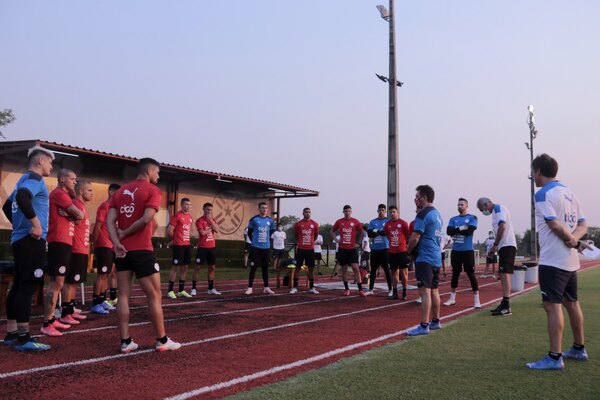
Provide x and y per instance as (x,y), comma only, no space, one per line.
(556,202)
(366,243)
(499,215)
(337,242)
(318,243)
(246,237)
(278,240)
(489,243)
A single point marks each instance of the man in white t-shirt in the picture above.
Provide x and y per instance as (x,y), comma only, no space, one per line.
(319,253)
(505,244)
(560,225)
(278,237)
(490,257)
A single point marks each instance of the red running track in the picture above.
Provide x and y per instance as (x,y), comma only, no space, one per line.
(231,343)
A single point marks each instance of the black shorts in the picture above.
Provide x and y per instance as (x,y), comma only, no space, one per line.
(318,256)
(305,257)
(507,254)
(59,258)
(205,256)
(105,258)
(247,247)
(463,260)
(279,253)
(491,260)
(347,256)
(30,259)
(427,275)
(182,255)
(77,273)
(399,260)
(379,258)
(557,284)
(142,262)
(259,257)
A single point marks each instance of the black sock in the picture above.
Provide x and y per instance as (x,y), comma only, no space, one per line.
(359,285)
(505,302)
(181,285)
(194,284)
(126,341)
(211,285)
(48,322)
(71,307)
(311,283)
(113,293)
(163,339)
(171,284)
(554,356)
(578,347)
(96,300)
(435,320)
(102,298)
(346,285)
(395,291)
(65,310)
(296,283)
(424,325)
(11,335)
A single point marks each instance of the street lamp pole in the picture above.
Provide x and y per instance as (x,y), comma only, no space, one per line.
(532,135)
(392,176)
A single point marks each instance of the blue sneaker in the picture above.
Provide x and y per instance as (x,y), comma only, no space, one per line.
(419,330)
(10,340)
(547,363)
(107,306)
(572,354)
(98,309)
(435,325)
(32,345)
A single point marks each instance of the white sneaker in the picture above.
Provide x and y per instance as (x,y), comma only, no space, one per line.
(193,292)
(248,291)
(293,291)
(476,303)
(128,348)
(369,292)
(268,290)
(450,302)
(313,291)
(214,291)
(77,310)
(390,293)
(419,301)
(170,345)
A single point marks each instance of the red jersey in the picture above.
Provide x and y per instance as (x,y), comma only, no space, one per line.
(347,230)
(411,227)
(81,238)
(130,202)
(306,233)
(103,238)
(182,222)
(60,229)
(206,241)
(397,234)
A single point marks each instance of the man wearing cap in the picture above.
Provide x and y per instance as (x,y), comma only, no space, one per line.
(27,209)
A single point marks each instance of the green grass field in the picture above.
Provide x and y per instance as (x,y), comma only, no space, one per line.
(476,357)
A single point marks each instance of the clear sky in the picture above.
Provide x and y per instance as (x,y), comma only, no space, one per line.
(286,91)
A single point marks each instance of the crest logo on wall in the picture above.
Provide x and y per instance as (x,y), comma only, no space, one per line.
(228,211)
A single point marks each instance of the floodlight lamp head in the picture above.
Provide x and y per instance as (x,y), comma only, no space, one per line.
(385,14)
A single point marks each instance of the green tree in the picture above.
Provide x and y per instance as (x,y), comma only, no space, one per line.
(288,222)
(6,117)
(325,231)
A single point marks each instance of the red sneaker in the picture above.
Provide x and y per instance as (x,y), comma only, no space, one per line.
(50,330)
(58,325)
(347,292)
(78,316)
(362,293)
(69,320)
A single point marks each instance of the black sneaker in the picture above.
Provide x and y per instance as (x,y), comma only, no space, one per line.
(498,308)
(503,312)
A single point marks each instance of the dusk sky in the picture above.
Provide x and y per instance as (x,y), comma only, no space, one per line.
(286,91)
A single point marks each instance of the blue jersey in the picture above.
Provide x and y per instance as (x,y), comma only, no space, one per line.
(429,225)
(379,242)
(463,242)
(262,228)
(34,183)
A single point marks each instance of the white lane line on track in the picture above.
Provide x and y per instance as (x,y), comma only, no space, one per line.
(230,336)
(318,357)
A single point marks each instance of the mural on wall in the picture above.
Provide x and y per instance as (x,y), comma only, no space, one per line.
(228,210)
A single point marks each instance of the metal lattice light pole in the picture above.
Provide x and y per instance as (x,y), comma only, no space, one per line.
(532,135)
(392,177)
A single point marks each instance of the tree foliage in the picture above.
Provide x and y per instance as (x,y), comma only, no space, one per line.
(6,117)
